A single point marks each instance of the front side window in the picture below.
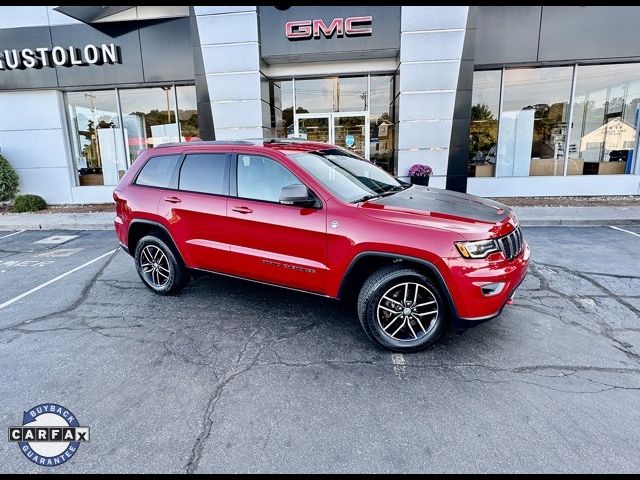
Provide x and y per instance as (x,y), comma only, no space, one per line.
(261,178)
(157,172)
(204,173)
(346,176)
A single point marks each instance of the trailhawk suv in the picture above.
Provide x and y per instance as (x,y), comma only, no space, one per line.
(316,218)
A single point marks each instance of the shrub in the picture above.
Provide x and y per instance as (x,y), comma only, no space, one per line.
(9,180)
(29,203)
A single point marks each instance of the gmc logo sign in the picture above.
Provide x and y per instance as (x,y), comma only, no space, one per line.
(351,27)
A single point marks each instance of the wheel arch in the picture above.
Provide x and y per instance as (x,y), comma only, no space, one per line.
(365,263)
(138,228)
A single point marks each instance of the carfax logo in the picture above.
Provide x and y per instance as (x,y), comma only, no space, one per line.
(49,435)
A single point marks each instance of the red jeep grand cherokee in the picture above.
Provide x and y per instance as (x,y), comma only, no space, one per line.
(314,217)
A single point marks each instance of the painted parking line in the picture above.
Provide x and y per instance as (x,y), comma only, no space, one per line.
(12,234)
(625,231)
(53,280)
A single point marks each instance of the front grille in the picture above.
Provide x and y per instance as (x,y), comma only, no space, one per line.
(511,244)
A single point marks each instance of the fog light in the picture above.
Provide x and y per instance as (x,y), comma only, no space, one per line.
(492,288)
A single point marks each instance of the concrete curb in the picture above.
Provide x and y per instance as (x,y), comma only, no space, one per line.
(58,226)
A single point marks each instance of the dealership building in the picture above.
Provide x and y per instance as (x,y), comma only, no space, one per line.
(499,101)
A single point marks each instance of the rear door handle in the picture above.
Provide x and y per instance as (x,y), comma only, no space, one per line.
(172,199)
(242,209)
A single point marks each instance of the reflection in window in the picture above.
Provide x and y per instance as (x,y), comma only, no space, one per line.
(149,118)
(351,94)
(483,136)
(603,133)
(204,173)
(533,123)
(99,153)
(188,113)
(261,178)
(281,106)
(381,121)
(103,150)
(334,94)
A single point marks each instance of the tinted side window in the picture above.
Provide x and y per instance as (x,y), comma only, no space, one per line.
(204,173)
(261,178)
(157,172)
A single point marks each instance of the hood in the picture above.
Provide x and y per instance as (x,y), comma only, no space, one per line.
(472,216)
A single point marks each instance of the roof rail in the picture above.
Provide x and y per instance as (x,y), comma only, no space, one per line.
(205,142)
(285,140)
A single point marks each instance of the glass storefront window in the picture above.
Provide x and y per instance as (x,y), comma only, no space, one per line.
(485,111)
(96,134)
(355,112)
(381,123)
(281,104)
(188,113)
(333,94)
(103,149)
(316,95)
(533,122)
(149,118)
(352,94)
(603,133)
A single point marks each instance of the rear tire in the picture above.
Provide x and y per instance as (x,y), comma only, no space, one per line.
(401,309)
(159,267)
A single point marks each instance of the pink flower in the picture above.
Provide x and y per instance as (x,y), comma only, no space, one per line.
(419,170)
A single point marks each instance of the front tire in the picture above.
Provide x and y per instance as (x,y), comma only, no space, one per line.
(160,269)
(401,309)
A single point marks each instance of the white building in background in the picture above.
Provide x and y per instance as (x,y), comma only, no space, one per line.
(84,89)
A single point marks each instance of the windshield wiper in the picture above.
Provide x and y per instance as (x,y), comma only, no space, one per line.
(384,193)
(367,197)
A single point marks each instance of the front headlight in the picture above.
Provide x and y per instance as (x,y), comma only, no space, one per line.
(479,249)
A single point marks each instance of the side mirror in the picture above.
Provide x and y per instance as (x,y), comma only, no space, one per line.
(297,194)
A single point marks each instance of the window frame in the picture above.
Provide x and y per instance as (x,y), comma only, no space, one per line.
(225,180)
(173,179)
(233,179)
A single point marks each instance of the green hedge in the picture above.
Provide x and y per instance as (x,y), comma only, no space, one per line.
(29,203)
(9,180)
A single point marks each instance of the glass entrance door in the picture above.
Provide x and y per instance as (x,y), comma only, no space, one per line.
(351,132)
(315,129)
(347,130)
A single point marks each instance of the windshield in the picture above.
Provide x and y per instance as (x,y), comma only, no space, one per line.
(348,177)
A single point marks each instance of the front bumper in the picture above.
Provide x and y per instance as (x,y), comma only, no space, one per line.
(469,277)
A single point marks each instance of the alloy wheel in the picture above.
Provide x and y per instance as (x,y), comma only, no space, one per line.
(407,311)
(155,266)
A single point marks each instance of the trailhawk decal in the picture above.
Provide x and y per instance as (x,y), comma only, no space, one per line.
(289,266)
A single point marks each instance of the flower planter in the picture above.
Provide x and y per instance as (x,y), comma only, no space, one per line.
(420,180)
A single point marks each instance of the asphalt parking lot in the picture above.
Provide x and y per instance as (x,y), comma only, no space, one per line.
(232,376)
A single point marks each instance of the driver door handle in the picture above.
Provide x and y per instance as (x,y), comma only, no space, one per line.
(172,199)
(243,210)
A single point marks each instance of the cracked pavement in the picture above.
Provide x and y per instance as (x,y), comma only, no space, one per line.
(232,376)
